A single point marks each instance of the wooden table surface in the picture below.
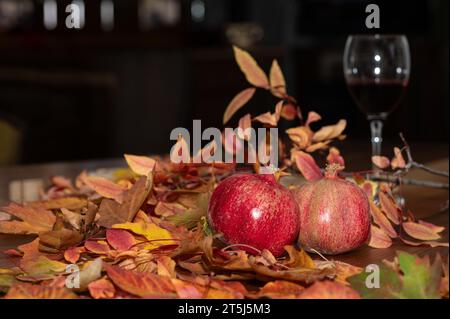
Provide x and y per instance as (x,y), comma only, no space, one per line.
(425,203)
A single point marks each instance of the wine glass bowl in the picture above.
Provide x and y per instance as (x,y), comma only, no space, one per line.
(377,70)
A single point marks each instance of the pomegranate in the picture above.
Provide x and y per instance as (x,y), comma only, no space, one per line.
(254,211)
(334,214)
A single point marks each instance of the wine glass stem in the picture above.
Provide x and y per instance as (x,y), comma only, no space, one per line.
(376,129)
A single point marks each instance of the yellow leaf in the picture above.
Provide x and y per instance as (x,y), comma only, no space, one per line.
(156,235)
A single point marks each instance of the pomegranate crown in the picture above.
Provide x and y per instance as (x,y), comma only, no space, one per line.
(332,170)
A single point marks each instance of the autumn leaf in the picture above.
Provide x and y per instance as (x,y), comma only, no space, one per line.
(120,240)
(245,125)
(60,239)
(100,247)
(102,289)
(72,254)
(253,73)
(398,161)
(330,132)
(34,263)
(329,290)
(141,284)
(30,291)
(33,220)
(425,243)
(112,212)
(89,274)
(140,165)
(434,228)
(381,161)
(155,235)
(105,187)
(280,289)
(298,258)
(389,206)
(419,231)
(277,81)
(166,267)
(301,136)
(378,238)
(192,215)
(70,202)
(307,166)
(237,102)
(312,117)
(381,220)
(271,118)
(289,112)
(417,280)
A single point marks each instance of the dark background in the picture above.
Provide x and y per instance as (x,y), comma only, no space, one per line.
(92,93)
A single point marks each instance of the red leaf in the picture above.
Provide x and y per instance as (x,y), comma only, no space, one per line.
(289,112)
(253,73)
(307,166)
(29,291)
(139,283)
(381,220)
(120,239)
(426,243)
(389,206)
(98,247)
(101,289)
(237,102)
(72,255)
(419,231)
(378,238)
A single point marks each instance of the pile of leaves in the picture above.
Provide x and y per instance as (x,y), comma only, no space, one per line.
(144,233)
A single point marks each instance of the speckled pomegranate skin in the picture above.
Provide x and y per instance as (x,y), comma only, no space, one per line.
(254,210)
(334,216)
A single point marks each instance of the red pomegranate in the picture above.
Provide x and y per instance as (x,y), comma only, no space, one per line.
(334,214)
(253,210)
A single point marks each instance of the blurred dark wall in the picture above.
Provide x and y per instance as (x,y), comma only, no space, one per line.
(91,93)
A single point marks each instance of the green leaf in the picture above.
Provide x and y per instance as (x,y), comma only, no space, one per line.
(417,279)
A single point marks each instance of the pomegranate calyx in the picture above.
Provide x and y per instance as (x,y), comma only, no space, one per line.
(332,170)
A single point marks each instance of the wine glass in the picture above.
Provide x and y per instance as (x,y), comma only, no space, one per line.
(376,69)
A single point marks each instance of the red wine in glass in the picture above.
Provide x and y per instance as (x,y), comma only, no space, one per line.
(376,70)
(377,99)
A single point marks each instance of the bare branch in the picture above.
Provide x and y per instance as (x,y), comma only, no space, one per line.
(399,180)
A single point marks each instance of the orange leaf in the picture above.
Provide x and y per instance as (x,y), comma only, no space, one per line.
(378,238)
(419,231)
(389,206)
(141,165)
(301,135)
(280,289)
(166,267)
(237,102)
(277,82)
(398,161)
(432,227)
(120,239)
(307,166)
(187,290)
(426,243)
(72,255)
(97,247)
(139,283)
(253,73)
(381,161)
(29,291)
(330,132)
(102,289)
(381,220)
(329,290)
(34,220)
(105,187)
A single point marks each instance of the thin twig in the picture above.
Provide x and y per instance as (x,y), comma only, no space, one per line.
(399,180)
